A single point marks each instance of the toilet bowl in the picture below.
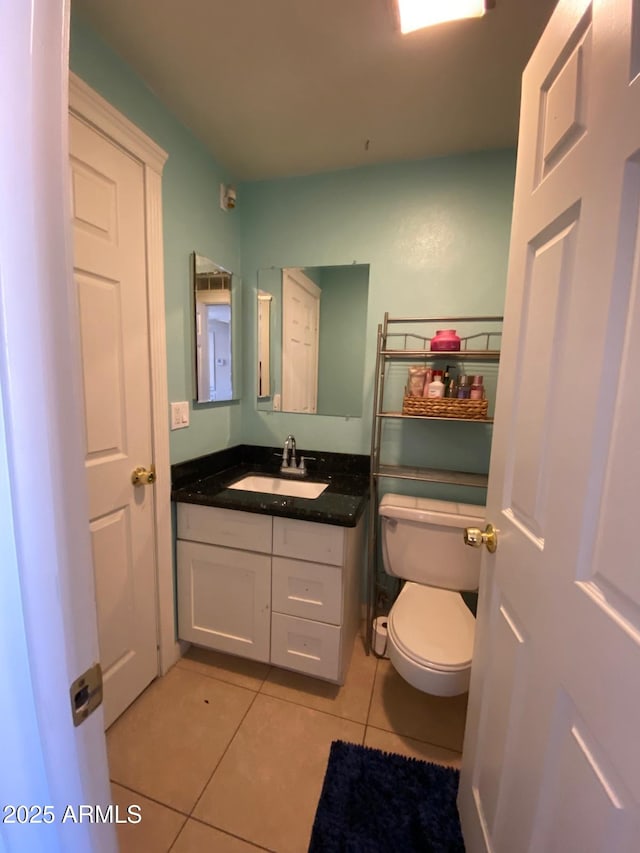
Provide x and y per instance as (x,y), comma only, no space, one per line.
(431,633)
(430,628)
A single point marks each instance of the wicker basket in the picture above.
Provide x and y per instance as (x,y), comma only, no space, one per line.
(445,407)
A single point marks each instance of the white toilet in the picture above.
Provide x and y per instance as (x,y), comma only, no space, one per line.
(430,628)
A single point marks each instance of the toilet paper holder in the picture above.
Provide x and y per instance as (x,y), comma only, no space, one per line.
(380,636)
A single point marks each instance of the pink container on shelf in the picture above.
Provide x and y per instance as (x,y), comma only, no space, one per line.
(445,340)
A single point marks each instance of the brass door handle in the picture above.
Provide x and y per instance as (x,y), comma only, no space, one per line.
(476,538)
(142,477)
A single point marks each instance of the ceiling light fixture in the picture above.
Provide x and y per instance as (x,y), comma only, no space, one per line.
(417,14)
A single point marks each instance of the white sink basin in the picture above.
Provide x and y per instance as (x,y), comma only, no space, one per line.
(279,486)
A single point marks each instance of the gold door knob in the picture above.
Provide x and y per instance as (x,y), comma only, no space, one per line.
(142,477)
(476,538)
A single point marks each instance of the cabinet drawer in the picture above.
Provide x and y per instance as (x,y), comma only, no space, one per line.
(308,540)
(309,590)
(246,530)
(306,646)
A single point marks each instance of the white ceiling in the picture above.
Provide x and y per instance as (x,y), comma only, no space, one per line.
(295,87)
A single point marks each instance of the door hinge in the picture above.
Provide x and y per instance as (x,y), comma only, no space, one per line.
(86,694)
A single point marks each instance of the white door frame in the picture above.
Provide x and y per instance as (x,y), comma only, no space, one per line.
(89,106)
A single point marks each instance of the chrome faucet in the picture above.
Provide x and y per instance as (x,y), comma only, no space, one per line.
(290,464)
(289,461)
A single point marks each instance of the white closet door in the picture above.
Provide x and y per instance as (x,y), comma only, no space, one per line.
(107,189)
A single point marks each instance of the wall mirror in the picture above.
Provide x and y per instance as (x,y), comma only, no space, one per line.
(317,336)
(213,315)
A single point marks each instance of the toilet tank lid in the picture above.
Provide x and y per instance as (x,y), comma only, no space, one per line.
(429,511)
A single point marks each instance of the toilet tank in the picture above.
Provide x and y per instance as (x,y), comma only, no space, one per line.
(422,541)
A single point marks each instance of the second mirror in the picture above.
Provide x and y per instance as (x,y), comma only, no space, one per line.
(317,331)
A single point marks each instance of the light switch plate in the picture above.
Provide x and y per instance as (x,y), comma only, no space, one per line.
(179,415)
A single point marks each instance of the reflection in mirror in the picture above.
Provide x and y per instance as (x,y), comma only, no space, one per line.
(212,300)
(264,341)
(318,335)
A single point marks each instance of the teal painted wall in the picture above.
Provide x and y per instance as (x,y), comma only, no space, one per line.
(436,236)
(192,220)
(343,321)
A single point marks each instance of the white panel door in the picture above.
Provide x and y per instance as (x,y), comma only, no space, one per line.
(107,191)
(300,334)
(551,760)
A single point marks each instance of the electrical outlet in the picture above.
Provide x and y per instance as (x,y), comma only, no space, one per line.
(179,415)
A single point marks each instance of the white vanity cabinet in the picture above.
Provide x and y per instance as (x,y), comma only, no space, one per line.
(269,588)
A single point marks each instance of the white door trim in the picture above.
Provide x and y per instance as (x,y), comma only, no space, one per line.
(86,102)
(88,105)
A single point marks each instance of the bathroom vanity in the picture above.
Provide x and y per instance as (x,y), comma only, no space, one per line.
(271,577)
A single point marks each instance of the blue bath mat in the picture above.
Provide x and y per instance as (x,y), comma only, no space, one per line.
(374,801)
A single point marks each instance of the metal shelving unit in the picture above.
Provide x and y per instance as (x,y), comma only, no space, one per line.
(432,418)
(432,475)
(398,346)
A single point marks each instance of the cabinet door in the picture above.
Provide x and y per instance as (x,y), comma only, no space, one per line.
(224,599)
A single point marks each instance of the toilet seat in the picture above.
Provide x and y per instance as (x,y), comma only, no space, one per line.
(431,633)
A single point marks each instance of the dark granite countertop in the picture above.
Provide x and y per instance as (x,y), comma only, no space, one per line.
(205,481)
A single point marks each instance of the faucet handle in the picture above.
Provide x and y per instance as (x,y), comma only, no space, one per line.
(303,459)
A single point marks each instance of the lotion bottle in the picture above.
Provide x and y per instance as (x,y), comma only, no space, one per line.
(428,378)
(436,388)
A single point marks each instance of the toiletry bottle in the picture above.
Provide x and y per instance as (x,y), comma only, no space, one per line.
(428,378)
(445,379)
(416,381)
(451,390)
(477,389)
(463,388)
(436,388)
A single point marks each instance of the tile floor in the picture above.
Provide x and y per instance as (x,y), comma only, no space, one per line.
(229,755)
